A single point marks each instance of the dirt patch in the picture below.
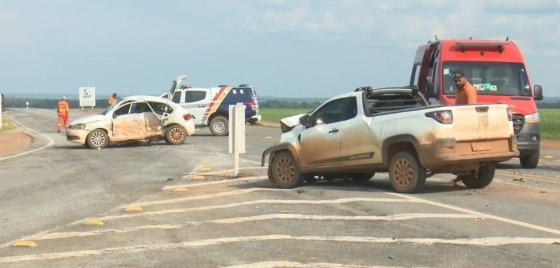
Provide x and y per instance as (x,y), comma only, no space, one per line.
(550,144)
(13,141)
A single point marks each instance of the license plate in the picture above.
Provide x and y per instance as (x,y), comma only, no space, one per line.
(481,146)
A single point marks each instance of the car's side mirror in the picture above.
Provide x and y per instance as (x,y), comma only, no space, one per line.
(538,92)
(304,120)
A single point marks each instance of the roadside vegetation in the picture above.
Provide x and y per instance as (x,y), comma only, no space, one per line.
(550,123)
(7,125)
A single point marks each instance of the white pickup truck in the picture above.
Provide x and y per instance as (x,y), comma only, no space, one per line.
(392,129)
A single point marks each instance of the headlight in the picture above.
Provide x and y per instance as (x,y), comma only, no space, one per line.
(77,126)
(532,118)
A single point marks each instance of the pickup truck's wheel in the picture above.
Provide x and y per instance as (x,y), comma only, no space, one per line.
(530,161)
(97,139)
(482,179)
(285,172)
(361,177)
(175,135)
(406,174)
(219,126)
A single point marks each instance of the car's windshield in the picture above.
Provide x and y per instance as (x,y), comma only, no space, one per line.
(109,108)
(489,78)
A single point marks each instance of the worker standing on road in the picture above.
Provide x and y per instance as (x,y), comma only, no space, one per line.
(466,93)
(62,109)
(112,99)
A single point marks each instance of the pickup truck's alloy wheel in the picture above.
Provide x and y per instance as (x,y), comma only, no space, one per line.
(97,139)
(219,126)
(175,135)
(482,179)
(406,174)
(285,172)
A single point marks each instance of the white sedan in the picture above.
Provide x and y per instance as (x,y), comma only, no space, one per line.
(134,118)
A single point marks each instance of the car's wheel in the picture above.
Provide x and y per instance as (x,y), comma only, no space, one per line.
(361,177)
(219,126)
(285,172)
(406,173)
(482,179)
(97,139)
(175,135)
(530,161)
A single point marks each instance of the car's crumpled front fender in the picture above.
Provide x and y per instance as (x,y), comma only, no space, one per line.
(275,148)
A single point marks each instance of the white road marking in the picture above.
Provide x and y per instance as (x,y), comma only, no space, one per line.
(220,172)
(278,216)
(256,202)
(485,241)
(274,264)
(488,216)
(49,143)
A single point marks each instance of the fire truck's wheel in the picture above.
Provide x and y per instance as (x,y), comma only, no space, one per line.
(530,161)
(361,177)
(97,139)
(406,173)
(285,172)
(482,179)
(219,126)
(175,135)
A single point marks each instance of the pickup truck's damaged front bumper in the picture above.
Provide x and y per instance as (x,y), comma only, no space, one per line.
(450,155)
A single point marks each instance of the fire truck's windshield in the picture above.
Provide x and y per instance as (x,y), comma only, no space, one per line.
(489,78)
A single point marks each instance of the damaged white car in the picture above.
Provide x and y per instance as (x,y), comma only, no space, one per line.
(134,118)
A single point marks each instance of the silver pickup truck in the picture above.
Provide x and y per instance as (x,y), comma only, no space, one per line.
(393,130)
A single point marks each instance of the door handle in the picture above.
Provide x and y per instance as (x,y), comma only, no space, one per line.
(334,130)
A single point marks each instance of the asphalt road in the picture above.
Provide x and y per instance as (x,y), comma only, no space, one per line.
(180,206)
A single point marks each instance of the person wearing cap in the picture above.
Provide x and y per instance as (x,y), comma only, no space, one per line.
(466,93)
(62,109)
(112,99)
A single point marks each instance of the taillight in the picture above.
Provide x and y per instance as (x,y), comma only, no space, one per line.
(251,104)
(444,117)
(187,117)
(510,114)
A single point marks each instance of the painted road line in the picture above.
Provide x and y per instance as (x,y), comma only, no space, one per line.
(274,264)
(220,172)
(231,181)
(278,216)
(257,202)
(528,176)
(49,143)
(477,242)
(485,215)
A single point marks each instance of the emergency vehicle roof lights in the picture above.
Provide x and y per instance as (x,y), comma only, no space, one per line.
(495,46)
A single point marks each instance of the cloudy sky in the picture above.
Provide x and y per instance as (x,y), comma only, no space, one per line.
(285,48)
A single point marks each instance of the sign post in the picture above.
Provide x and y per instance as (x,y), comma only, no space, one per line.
(236,134)
(87,96)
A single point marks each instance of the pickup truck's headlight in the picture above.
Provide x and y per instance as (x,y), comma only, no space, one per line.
(77,126)
(532,118)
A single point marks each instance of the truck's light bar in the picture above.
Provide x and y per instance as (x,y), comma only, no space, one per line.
(491,46)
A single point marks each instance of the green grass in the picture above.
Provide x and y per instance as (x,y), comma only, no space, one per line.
(273,115)
(7,124)
(550,123)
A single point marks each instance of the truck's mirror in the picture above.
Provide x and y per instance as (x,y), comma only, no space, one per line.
(538,92)
(430,91)
(304,120)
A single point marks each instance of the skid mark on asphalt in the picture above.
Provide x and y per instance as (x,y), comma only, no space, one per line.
(278,216)
(488,216)
(487,241)
(256,202)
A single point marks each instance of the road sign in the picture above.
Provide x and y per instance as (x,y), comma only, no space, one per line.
(87,96)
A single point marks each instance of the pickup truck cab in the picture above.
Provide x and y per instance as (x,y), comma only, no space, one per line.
(497,70)
(210,106)
(357,134)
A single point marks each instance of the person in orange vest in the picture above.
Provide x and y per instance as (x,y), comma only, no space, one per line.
(62,109)
(112,99)
(466,93)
